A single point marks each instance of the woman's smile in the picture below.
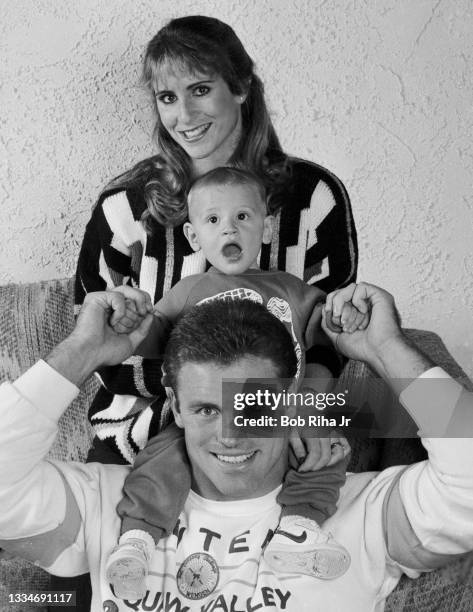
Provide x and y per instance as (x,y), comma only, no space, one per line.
(194,134)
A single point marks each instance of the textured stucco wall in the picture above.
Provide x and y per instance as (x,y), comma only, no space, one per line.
(379,92)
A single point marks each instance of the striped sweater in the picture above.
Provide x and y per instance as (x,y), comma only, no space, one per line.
(314,238)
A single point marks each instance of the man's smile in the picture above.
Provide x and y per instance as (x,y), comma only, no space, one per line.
(235,459)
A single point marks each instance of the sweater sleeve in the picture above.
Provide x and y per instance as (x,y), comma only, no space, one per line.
(104,258)
(317,235)
(335,251)
(111,255)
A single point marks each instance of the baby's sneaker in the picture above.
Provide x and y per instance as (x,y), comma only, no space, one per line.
(299,545)
(128,563)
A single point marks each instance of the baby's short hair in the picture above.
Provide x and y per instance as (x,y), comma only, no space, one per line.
(227,175)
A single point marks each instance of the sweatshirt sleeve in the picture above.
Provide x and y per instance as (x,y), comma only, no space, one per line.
(428,509)
(34,496)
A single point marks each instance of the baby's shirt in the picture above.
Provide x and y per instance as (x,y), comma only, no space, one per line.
(296,304)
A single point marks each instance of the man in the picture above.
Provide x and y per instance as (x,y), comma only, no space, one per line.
(63,516)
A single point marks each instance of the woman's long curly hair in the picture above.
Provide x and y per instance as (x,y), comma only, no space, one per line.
(204,45)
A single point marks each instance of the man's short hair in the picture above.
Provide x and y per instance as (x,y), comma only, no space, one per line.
(223,332)
(227,175)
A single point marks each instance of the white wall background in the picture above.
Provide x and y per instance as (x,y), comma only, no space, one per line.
(380,92)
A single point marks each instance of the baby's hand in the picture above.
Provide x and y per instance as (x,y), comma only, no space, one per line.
(342,314)
(129,321)
(316,453)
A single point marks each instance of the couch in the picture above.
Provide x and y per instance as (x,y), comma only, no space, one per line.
(35,317)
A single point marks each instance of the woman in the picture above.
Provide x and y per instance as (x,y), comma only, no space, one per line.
(211,111)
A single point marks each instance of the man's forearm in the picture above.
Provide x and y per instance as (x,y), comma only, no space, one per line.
(73,360)
(399,362)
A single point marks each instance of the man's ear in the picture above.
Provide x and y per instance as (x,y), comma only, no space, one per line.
(172,400)
(291,410)
(267,229)
(191,236)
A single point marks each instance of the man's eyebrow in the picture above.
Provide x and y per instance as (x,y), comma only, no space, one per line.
(197,405)
(190,86)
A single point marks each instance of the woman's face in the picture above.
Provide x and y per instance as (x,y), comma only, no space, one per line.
(201,115)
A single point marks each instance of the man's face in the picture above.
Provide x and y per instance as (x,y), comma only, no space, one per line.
(225,469)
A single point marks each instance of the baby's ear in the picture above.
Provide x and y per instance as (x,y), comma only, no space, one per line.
(268,229)
(191,236)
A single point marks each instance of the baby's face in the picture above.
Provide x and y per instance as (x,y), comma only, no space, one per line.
(229,223)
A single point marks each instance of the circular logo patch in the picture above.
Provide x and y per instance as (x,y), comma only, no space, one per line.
(198,576)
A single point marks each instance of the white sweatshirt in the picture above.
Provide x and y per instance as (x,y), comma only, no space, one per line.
(63,517)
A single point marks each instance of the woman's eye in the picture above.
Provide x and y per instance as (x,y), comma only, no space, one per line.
(213,219)
(167,98)
(242,216)
(201,90)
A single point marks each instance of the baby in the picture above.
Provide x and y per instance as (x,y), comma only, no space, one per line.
(228,220)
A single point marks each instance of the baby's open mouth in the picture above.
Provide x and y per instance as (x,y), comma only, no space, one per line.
(232,251)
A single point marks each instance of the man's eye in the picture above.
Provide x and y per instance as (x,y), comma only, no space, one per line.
(201,90)
(207,411)
(242,216)
(167,98)
(213,219)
